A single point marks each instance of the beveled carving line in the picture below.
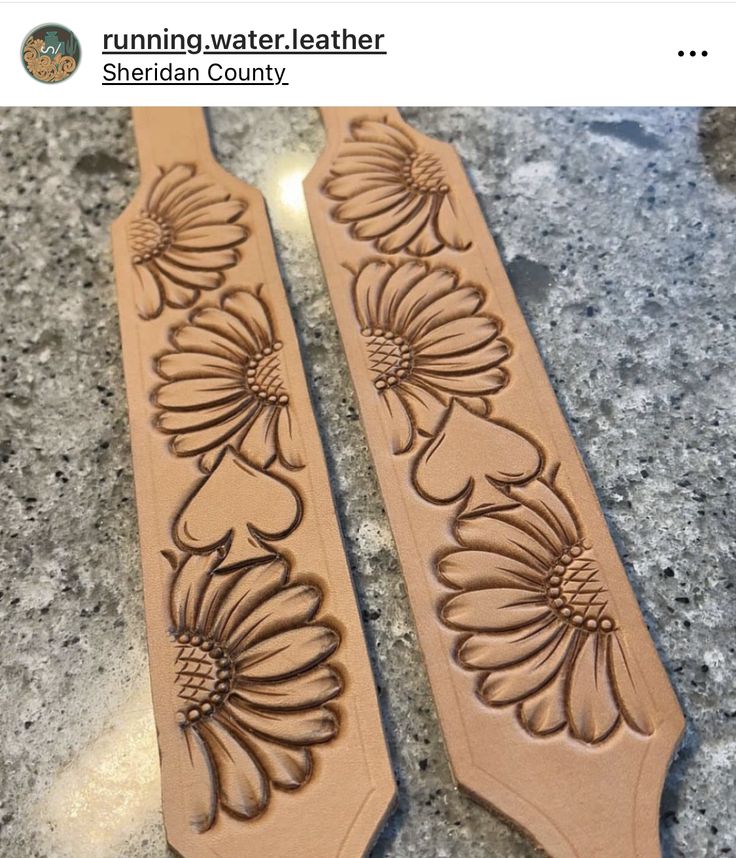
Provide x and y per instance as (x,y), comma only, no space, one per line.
(265,708)
(546,682)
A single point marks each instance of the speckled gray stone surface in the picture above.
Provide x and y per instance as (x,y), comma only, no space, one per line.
(618,228)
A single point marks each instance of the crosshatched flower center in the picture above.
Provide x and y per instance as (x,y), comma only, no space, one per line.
(423,173)
(573,592)
(263,375)
(204,676)
(150,236)
(390,357)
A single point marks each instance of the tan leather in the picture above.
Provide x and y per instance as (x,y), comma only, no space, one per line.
(554,705)
(268,725)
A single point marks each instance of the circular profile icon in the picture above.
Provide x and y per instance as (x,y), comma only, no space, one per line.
(51,53)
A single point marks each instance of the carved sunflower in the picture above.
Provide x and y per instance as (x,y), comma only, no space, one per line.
(251,684)
(540,630)
(424,343)
(183,240)
(225,383)
(393,193)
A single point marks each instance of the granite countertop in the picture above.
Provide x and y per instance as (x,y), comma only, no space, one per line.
(618,228)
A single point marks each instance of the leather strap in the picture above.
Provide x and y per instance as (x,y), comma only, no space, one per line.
(268,724)
(553,702)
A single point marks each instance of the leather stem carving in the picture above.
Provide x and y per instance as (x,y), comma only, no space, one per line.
(545,678)
(261,682)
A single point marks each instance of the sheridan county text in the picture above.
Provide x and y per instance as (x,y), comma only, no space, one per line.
(214,73)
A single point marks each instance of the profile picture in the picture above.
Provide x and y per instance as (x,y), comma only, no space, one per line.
(51,53)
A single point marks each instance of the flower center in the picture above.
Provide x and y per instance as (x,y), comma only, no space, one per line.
(390,357)
(574,592)
(204,676)
(150,235)
(263,375)
(423,172)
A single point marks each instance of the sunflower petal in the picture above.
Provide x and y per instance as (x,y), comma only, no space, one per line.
(194,393)
(370,202)
(198,783)
(371,130)
(518,682)
(230,327)
(356,151)
(287,653)
(148,293)
(628,696)
(258,444)
(592,710)
(242,786)
(187,590)
(308,727)
(175,422)
(193,338)
(253,587)
(292,606)
(360,162)
(448,227)
(496,651)
(402,280)
(459,335)
(287,768)
(187,276)
(460,302)
(425,406)
(168,182)
(251,312)
(535,525)
(489,533)
(435,283)
(475,570)
(426,242)
(348,185)
(209,237)
(478,383)
(495,609)
(385,223)
(176,365)
(367,292)
(199,195)
(546,503)
(402,430)
(208,260)
(407,230)
(311,689)
(218,213)
(445,367)
(180,296)
(544,713)
(289,450)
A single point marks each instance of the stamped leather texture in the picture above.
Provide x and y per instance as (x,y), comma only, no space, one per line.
(269,729)
(554,705)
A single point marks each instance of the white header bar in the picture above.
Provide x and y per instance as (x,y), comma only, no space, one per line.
(432,53)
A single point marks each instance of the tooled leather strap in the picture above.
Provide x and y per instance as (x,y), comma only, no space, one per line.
(268,725)
(553,703)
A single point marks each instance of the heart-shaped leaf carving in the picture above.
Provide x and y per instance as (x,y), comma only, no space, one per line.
(474,458)
(237,509)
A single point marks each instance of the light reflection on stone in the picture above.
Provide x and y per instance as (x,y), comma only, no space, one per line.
(282,187)
(111,790)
